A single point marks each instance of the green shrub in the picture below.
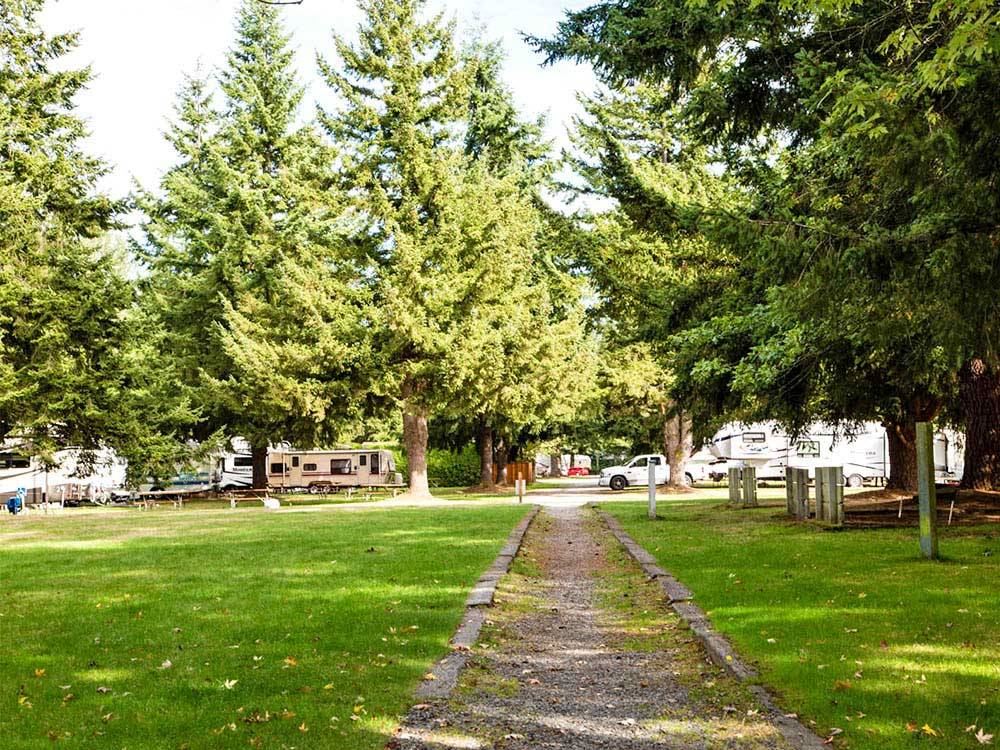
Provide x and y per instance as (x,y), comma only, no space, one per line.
(445,468)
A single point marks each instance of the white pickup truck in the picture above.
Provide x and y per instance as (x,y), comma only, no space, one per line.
(636,472)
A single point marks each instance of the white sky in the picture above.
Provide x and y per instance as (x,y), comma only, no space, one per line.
(139,51)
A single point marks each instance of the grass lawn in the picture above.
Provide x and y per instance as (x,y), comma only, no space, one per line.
(851,628)
(209,629)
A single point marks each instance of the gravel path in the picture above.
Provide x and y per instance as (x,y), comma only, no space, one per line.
(565,665)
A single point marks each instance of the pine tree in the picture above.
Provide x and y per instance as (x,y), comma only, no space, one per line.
(249,261)
(403,92)
(66,333)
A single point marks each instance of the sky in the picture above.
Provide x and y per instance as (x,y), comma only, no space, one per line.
(139,51)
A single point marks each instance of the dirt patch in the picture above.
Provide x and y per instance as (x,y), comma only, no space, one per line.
(581,652)
(892,508)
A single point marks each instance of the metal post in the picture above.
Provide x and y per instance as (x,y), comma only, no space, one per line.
(927,490)
(652,490)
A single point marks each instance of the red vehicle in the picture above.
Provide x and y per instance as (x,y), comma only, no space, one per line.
(578,471)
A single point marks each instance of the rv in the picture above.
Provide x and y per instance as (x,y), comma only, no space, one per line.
(64,479)
(331,470)
(864,454)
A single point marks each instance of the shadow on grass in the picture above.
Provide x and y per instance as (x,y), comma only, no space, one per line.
(280,628)
(852,628)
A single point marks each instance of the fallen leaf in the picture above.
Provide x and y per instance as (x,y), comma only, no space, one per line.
(39,673)
(229,684)
(929,730)
(983,738)
(166,664)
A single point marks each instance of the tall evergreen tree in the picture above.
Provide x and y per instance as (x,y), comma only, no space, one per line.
(248,257)
(68,336)
(403,92)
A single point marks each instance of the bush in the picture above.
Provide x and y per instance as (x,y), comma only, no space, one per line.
(446,468)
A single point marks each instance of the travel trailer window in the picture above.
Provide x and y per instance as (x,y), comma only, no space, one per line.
(13,461)
(295,462)
(363,460)
(754,437)
(340,466)
(309,467)
(277,468)
(808,448)
(243,462)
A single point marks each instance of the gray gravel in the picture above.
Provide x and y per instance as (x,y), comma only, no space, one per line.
(558,679)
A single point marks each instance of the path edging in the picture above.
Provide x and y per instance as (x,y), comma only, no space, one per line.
(448,668)
(719,649)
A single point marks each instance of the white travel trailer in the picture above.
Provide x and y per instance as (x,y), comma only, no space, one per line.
(864,454)
(330,470)
(65,479)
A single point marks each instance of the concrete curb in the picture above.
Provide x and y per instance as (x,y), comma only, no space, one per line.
(719,649)
(447,669)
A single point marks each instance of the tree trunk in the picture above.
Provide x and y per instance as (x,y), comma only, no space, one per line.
(258,458)
(902,442)
(979,394)
(555,465)
(677,444)
(485,443)
(415,443)
(502,454)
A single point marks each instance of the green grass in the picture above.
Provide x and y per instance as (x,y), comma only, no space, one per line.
(122,629)
(851,628)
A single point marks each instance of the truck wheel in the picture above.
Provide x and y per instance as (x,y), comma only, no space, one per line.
(689,480)
(855,480)
(618,483)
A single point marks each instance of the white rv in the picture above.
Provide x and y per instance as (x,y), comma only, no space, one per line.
(330,470)
(63,480)
(864,455)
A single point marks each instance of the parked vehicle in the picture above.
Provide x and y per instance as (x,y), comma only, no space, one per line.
(864,454)
(329,470)
(578,471)
(67,478)
(635,472)
(704,466)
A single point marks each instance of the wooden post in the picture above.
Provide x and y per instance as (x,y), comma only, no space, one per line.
(520,488)
(802,494)
(789,492)
(652,490)
(750,486)
(734,486)
(927,490)
(834,493)
(820,493)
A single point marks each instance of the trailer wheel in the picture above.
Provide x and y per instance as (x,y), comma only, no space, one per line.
(855,480)
(618,483)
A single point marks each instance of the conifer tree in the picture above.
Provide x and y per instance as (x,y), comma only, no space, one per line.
(403,93)
(68,339)
(248,255)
